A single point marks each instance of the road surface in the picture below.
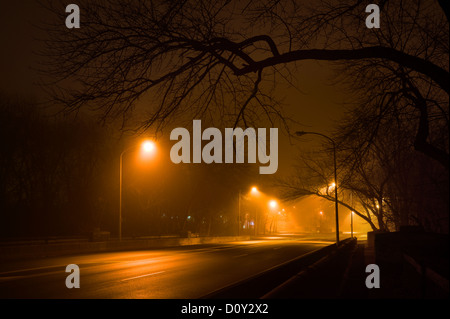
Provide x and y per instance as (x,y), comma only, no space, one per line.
(168,273)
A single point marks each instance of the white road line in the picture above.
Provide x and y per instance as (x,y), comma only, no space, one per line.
(155,273)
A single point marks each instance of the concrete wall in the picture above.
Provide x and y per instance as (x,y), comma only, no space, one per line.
(59,249)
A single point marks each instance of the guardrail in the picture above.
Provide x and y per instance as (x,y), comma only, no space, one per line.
(69,239)
(41,241)
(11,252)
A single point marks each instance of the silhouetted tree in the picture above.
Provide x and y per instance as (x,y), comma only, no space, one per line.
(53,172)
(218,58)
(383,181)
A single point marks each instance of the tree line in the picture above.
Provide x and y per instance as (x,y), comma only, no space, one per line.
(223,60)
(60,177)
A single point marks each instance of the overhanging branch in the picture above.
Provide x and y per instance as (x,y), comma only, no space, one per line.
(436,73)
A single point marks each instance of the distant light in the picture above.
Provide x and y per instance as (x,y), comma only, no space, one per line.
(321,213)
(273,203)
(332,185)
(254,190)
(189,217)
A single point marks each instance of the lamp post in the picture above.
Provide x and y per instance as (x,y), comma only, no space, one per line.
(351,224)
(351,216)
(321,222)
(239,214)
(254,191)
(147,147)
(273,204)
(301,133)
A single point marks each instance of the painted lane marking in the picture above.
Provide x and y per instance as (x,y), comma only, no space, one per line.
(155,273)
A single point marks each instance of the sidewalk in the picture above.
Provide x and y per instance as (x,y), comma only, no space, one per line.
(353,282)
(343,276)
(398,280)
(339,275)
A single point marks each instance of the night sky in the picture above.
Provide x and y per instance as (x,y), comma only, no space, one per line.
(315,104)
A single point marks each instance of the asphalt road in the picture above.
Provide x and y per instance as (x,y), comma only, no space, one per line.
(169,273)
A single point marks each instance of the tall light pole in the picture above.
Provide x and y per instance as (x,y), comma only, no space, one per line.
(239,214)
(351,217)
(273,204)
(301,133)
(147,147)
(351,224)
(253,191)
(321,222)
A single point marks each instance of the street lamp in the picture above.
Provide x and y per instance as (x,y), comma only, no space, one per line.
(321,222)
(301,133)
(147,147)
(239,213)
(273,204)
(351,223)
(253,191)
(351,216)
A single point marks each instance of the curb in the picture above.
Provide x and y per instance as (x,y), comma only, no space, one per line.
(298,280)
(265,282)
